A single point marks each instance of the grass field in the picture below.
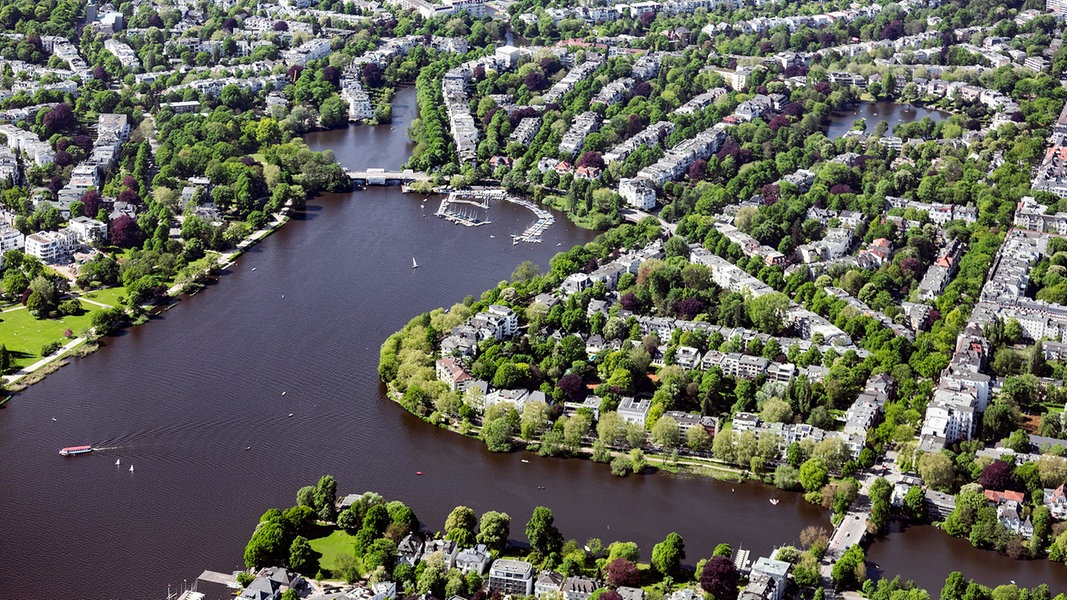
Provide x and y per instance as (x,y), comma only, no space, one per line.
(24,335)
(332,546)
(108,296)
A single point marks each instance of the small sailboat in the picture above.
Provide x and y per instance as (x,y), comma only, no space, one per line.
(131,468)
(118,462)
(414,265)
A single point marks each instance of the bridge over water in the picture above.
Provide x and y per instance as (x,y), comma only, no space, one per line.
(387,176)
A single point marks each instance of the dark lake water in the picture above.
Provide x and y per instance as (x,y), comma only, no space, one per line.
(840,122)
(182,397)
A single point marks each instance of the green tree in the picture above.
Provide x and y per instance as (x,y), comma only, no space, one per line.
(627,550)
(302,557)
(667,555)
(767,312)
(494,529)
(697,439)
(333,112)
(542,533)
(459,526)
(937,471)
(881,509)
(665,433)
(498,435)
(813,475)
(267,546)
(851,569)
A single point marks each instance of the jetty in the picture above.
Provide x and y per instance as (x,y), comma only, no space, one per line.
(467,207)
(386,176)
(532,234)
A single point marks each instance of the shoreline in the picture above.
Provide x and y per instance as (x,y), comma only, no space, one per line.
(694,466)
(78,347)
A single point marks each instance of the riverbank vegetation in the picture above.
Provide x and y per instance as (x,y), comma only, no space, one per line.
(372,541)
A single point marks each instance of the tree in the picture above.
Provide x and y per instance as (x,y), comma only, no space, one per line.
(719,578)
(326,498)
(998,475)
(497,435)
(667,555)
(542,532)
(494,530)
(813,475)
(915,503)
(937,471)
(267,546)
(851,569)
(998,421)
(459,526)
(767,312)
(333,112)
(302,557)
(665,433)
(627,550)
(622,572)
(123,232)
(697,438)
(881,508)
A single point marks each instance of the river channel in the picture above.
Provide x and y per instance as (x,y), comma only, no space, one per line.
(194,401)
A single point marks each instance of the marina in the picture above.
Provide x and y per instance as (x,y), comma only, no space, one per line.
(532,234)
(470,209)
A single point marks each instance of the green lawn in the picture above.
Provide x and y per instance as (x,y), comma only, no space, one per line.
(24,335)
(108,296)
(332,546)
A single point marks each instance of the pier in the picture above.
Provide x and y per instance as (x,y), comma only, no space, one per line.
(463,206)
(386,176)
(532,233)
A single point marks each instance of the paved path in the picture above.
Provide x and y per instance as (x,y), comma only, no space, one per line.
(29,369)
(225,260)
(100,304)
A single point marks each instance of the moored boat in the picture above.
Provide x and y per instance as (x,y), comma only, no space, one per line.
(72,450)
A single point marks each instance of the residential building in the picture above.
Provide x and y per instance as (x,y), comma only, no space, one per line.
(511,577)
(88,231)
(1056,501)
(638,192)
(451,372)
(447,548)
(11,239)
(578,588)
(473,560)
(767,580)
(516,398)
(548,583)
(633,410)
(51,246)
(583,125)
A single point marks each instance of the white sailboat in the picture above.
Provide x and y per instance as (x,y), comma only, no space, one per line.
(414,265)
(118,462)
(131,468)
